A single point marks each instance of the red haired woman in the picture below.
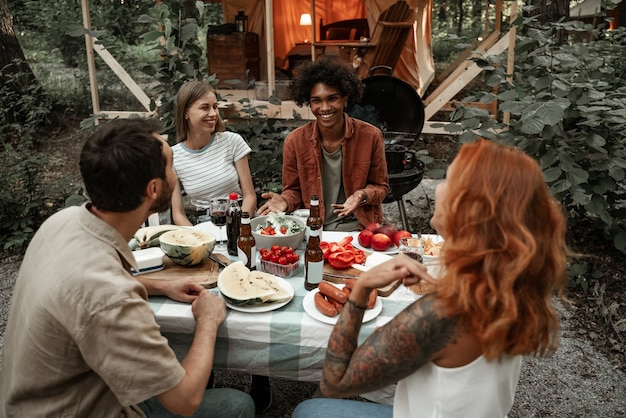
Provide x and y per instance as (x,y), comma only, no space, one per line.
(458,351)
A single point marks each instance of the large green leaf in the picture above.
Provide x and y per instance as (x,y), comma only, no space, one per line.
(552,174)
(597,205)
(619,162)
(151,36)
(533,124)
(580,198)
(620,241)
(617,173)
(577,176)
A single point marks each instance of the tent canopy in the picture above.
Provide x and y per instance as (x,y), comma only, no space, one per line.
(280,20)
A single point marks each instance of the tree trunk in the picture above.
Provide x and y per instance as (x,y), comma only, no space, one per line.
(16,77)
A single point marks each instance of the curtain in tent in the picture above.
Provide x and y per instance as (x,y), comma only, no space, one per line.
(415,66)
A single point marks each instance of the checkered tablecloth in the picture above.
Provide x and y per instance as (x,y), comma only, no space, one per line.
(285,343)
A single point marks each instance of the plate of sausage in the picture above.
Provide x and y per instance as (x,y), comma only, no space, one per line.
(316,312)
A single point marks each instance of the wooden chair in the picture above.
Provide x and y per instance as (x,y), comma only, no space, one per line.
(344,30)
(388,37)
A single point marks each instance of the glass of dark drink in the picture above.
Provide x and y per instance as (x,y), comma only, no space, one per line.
(218,210)
(413,247)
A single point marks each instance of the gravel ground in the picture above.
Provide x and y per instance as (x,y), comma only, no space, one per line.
(577,381)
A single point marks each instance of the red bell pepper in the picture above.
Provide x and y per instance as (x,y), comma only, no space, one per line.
(359,256)
(341,259)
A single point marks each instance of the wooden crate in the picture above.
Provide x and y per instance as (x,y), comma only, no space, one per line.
(230,55)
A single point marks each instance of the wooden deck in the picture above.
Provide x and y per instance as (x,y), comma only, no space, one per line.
(236,104)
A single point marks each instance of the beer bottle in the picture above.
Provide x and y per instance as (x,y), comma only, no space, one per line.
(314,217)
(233,223)
(246,245)
(313,260)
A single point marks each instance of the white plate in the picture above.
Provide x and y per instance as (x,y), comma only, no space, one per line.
(266,307)
(436,239)
(309,307)
(220,233)
(393,249)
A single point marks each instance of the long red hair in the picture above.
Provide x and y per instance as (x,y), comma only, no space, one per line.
(505,252)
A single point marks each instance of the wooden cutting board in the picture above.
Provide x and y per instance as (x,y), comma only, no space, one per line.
(205,273)
(331,274)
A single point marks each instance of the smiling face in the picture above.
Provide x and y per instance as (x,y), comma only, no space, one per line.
(201,115)
(327,105)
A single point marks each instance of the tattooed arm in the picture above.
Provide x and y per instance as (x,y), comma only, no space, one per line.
(413,338)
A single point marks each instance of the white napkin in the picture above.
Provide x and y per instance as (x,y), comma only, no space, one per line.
(372,260)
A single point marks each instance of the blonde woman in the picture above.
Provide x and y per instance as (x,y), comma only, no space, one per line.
(210,162)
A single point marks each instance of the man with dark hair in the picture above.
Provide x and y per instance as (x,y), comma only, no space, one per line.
(81,339)
(336,157)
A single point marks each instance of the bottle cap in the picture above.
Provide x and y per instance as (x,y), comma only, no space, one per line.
(233,196)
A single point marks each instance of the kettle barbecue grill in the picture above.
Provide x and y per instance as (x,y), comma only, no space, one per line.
(395,107)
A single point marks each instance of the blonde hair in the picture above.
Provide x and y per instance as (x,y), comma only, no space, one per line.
(187,95)
(506,253)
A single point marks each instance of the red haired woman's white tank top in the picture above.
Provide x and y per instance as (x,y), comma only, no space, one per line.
(481,389)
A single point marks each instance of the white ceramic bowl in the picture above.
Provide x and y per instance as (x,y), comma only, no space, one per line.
(266,241)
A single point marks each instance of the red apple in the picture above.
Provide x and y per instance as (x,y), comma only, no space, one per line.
(380,242)
(388,230)
(401,234)
(373,227)
(365,238)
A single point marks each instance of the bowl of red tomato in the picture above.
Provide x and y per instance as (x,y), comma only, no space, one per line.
(279,261)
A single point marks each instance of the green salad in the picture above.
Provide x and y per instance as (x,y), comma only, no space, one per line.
(277,223)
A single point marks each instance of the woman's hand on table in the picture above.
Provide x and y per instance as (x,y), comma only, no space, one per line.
(274,203)
(401,267)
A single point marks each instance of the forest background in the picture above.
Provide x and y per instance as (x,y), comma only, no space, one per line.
(566,98)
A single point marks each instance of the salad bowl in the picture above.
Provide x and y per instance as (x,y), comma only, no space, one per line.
(277,229)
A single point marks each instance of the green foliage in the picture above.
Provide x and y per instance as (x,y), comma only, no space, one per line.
(568,110)
(175,33)
(59,24)
(24,201)
(265,137)
(611,312)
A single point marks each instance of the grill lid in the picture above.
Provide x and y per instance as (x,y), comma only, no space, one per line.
(390,104)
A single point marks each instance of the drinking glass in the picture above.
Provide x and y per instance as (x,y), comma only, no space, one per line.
(413,247)
(218,209)
(201,207)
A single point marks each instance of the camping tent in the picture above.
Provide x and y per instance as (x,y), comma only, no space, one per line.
(415,65)
(590,10)
(277,23)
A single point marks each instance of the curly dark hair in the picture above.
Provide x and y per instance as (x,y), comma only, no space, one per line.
(330,72)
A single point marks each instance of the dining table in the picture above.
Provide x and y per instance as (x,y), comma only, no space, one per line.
(282,341)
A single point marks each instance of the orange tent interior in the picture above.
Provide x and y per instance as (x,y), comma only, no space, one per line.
(415,65)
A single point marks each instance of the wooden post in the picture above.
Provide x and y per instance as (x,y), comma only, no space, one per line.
(91,62)
(269,42)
